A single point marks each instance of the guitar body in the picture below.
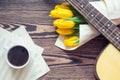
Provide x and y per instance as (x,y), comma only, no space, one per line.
(108,64)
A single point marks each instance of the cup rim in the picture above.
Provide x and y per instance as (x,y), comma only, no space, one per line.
(13,66)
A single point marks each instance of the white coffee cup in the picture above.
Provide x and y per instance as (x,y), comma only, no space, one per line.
(18,56)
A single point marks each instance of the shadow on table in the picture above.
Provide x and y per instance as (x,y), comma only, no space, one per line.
(86,54)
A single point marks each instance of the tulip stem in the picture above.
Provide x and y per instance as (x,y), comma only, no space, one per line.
(77,19)
(77,41)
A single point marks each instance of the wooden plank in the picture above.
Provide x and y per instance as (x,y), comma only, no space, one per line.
(70,73)
(41,5)
(32,17)
(71,65)
(28,1)
(35,31)
(64,65)
(26,6)
(35,12)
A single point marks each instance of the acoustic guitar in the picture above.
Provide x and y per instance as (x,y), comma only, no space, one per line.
(108,63)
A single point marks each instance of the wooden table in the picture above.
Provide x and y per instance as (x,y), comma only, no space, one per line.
(64,65)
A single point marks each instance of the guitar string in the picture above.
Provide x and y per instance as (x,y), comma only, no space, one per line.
(88,15)
(110,33)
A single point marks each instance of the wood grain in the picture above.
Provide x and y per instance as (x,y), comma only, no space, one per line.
(64,65)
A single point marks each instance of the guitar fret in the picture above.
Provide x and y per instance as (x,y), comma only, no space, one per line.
(79,6)
(97,22)
(78,1)
(117,37)
(100,21)
(111,35)
(89,11)
(115,28)
(83,6)
(100,25)
(110,32)
(91,15)
(117,44)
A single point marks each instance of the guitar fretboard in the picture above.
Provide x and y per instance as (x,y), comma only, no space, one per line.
(98,20)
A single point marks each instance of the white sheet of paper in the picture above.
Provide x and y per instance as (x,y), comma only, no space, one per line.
(113,8)
(36,67)
(21,32)
(87,33)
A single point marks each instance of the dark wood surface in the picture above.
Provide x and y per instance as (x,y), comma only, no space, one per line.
(64,65)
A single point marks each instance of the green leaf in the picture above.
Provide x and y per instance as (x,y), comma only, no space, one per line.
(77,19)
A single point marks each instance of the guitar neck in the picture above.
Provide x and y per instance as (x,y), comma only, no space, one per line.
(98,20)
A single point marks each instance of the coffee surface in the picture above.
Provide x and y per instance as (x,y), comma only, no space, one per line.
(18,56)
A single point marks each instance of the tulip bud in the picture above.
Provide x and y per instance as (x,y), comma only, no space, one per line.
(71,41)
(65,31)
(64,24)
(63,6)
(61,13)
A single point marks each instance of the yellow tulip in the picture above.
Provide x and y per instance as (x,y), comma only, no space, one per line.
(64,31)
(63,24)
(71,41)
(61,13)
(63,6)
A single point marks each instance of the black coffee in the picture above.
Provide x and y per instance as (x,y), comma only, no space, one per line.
(18,56)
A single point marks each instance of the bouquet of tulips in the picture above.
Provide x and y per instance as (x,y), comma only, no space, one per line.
(67,21)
